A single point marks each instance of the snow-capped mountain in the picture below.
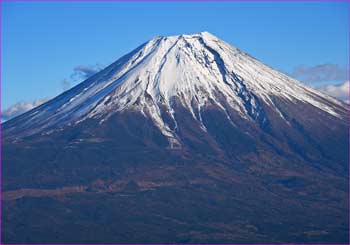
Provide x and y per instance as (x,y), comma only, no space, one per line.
(199,70)
(186,139)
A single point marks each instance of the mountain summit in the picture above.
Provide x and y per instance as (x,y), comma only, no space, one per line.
(197,70)
(186,139)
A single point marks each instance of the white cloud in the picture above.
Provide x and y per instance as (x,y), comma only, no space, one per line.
(85,71)
(19,108)
(340,91)
(320,73)
(65,85)
(80,72)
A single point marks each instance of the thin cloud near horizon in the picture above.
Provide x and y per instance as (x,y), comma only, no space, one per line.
(80,73)
(320,73)
(20,108)
(340,91)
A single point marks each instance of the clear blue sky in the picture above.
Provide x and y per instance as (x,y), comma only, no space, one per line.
(43,42)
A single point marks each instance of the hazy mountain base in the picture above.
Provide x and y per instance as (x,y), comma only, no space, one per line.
(172,214)
(192,203)
(138,190)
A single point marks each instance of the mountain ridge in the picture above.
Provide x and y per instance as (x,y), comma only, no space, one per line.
(183,63)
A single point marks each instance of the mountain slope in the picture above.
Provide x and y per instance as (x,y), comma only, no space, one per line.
(199,136)
(197,69)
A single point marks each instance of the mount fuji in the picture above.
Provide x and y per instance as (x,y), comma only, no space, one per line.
(186,139)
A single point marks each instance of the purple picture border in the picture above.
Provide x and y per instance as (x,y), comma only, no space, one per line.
(213,1)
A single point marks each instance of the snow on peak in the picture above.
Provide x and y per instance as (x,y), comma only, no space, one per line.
(194,35)
(198,69)
(198,66)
